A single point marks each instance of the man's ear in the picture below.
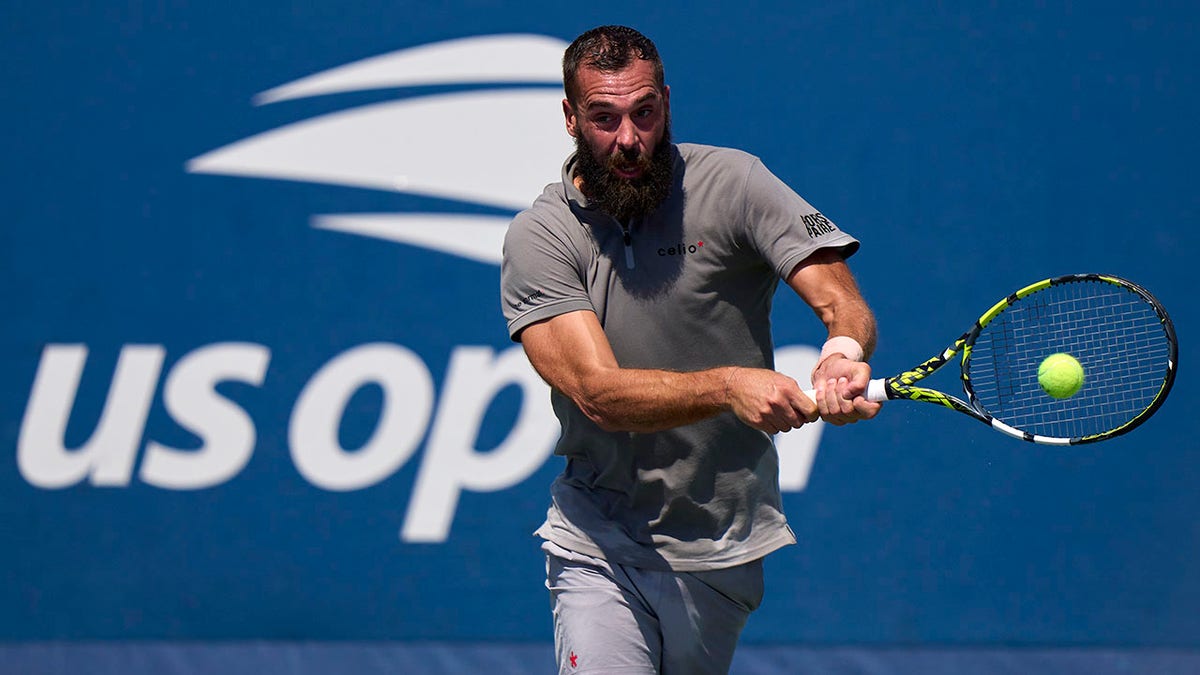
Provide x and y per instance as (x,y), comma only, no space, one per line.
(571,119)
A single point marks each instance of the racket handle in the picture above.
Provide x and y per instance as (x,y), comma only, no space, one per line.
(876,391)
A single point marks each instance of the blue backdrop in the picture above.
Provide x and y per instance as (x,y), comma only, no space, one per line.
(257,386)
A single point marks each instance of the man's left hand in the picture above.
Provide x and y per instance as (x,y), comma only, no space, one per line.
(840,385)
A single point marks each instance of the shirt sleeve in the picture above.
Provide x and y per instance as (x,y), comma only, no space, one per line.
(784,227)
(540,276)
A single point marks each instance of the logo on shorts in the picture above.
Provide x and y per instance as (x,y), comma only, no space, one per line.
(574,660)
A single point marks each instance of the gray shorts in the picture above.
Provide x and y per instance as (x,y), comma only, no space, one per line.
(610,618)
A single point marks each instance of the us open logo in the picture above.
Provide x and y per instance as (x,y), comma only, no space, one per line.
(404,146)
(508,105)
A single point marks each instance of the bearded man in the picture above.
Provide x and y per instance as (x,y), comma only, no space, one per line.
(640,288)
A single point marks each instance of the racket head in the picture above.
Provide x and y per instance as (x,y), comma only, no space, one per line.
(1119,333)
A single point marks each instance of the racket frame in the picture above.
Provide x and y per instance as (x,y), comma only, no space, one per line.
(904,385)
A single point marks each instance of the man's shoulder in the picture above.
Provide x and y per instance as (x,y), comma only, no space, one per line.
(693,153)
(712,167)
(551,206)
(549,219)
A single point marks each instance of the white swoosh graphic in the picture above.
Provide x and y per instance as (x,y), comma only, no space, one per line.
(495,147)
(479,238)
(473,60)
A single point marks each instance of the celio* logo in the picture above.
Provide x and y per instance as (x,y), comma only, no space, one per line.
(681,249)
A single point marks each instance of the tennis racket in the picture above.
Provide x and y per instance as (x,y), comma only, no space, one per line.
(1116,330)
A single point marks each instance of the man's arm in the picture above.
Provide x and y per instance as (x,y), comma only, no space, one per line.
(823,280)
(571,352)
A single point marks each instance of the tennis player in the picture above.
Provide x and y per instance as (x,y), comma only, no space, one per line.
(640,287)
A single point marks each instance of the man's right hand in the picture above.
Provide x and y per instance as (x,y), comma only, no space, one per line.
(768,401)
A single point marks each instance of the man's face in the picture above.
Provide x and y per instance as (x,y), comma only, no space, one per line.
(621,126)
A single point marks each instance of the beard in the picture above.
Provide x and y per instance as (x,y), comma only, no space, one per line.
(625,198)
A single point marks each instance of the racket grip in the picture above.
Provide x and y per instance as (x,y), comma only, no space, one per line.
(876,391)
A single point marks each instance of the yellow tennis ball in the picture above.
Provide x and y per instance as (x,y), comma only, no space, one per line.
(1060,375)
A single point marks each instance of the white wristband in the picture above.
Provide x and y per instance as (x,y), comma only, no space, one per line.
(840,344)
(844,345)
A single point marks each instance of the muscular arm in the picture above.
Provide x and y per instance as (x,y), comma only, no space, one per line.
(824,282)
(572,354)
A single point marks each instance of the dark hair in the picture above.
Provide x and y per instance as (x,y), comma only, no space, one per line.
(608,49)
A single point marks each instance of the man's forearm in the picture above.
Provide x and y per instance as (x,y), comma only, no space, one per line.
(624,399)
(653,400)
(572,354)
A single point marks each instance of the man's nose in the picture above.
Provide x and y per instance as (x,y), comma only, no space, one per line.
(627,138)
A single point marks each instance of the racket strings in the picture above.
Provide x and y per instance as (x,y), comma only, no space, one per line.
(1113,332)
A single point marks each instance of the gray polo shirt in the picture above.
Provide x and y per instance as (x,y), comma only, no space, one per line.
(687,288)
